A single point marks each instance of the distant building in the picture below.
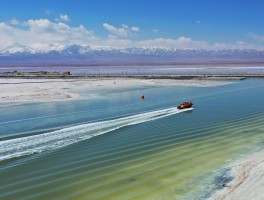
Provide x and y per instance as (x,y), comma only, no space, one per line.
(55,73)
(43,72)
(67,73)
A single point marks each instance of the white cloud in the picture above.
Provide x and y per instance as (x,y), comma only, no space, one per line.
(125,26)
(168,43)
(121,32)
(184,40)
(135,29)
(43,31)
(155,30)
(114,42)
(7,34)
(43,34)
(124,31)
(64,18)
(180,43)
(48,12)
(236,45)
(256,37)
(14,22)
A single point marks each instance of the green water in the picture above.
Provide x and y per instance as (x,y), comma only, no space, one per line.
(172,157)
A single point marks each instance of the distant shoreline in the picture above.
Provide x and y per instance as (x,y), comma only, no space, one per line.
(142,76)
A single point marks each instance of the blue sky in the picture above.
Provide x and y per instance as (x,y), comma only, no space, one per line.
(205,23)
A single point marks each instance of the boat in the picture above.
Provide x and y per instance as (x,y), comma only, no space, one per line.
(187,104)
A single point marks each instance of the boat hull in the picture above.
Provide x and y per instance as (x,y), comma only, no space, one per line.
(185,105)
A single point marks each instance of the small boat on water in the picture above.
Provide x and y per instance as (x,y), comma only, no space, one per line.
(187,104)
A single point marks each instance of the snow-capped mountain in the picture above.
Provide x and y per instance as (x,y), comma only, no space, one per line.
(16,48)
(76,54)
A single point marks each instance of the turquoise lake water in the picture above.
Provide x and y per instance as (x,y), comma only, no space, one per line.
(119,147)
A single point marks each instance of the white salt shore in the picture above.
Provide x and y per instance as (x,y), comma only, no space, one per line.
(248,183)
(46,90)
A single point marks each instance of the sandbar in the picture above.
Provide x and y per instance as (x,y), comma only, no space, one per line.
(45,90)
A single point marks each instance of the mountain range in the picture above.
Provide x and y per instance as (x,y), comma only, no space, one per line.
(18,54)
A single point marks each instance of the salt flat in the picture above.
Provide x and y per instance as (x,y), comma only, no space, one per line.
(43,90)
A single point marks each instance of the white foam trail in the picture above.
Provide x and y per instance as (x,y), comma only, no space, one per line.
(56,139)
